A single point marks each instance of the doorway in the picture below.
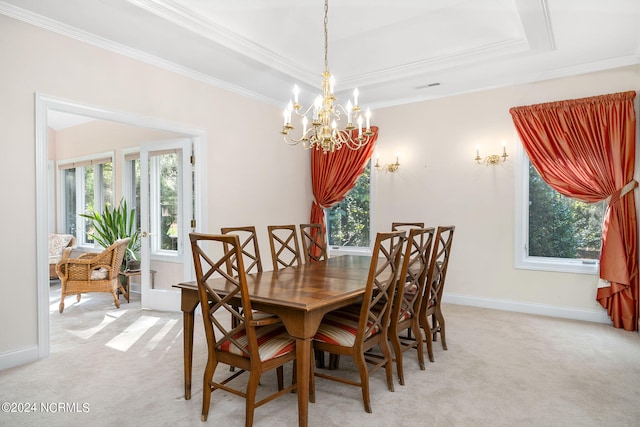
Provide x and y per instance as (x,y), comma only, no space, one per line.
(44,107)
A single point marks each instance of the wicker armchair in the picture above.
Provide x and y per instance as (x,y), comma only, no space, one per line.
(91,272)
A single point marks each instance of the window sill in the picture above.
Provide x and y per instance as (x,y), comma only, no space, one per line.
(559,265)
(345,250)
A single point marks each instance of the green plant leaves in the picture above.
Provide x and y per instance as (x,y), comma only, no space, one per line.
(113,224)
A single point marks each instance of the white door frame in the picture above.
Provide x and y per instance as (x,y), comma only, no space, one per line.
(43,104)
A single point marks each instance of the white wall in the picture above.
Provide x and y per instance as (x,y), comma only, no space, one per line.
(253,178)
(439,183)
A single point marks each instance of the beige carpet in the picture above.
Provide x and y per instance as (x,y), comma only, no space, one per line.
(121,367)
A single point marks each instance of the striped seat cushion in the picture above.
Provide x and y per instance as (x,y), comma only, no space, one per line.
(341,326)
(273,341)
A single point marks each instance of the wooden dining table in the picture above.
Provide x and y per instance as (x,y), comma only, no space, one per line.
(300,296)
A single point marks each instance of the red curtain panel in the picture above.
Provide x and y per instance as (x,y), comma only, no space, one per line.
(585,149)
(333,174)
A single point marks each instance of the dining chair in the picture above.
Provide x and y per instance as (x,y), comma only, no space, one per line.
(255,345)
(395,226)
(314,243)
(285,249)
(432,296)
(356,329)
(249,248)
(408,297)
(250,256)
(407,226)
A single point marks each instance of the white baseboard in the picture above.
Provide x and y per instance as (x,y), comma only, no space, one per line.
(598,316)
(18,357)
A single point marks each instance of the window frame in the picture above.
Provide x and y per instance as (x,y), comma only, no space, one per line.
(129,184)
(156,252)
(357,250)
(79,163)
(522,260)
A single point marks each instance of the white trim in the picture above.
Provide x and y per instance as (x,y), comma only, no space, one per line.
(598,316)
(15,358)
(42,219)
(89,157)
(347,250)
(52,176)
(521,259)
(125,189)
(43,103)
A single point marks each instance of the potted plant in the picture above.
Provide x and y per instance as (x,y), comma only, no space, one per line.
(113,224)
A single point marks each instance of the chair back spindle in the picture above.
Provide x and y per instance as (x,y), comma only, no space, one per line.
(249,247)
(314,243)
(285,249)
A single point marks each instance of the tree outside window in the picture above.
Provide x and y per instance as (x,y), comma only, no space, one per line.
(562,227)
(348,222)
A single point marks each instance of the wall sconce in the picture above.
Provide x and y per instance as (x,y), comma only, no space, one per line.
(492,159)
(391,167)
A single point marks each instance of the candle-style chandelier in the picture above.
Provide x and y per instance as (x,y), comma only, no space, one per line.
(325,114)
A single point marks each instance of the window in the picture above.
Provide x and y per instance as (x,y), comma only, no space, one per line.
(87,186)
(348,222)
(554,232)
(165,203)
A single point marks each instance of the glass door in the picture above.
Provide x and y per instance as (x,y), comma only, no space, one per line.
(166,210)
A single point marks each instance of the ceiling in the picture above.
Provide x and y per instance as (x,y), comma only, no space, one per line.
(394,51)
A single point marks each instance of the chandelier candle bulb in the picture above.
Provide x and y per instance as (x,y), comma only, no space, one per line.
(355,98)
(296,93)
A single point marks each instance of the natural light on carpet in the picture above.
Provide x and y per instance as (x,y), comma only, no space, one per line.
(129,336)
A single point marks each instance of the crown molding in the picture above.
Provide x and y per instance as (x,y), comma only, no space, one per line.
(187,19)
(102,43)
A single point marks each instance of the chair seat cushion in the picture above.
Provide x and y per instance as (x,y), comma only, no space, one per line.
(100,274)
(340,327)
(273,341)
(405,315)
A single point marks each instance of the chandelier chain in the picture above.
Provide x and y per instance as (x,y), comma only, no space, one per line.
(326,35)
(320,121)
